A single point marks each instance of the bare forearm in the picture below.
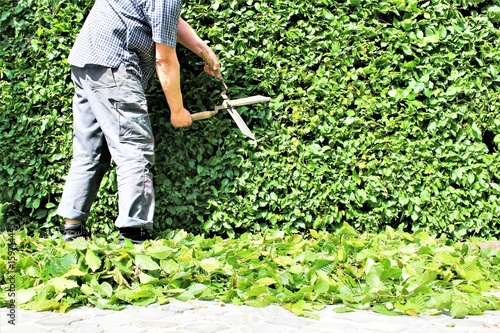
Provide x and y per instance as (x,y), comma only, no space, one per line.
(168,71)
(188,38)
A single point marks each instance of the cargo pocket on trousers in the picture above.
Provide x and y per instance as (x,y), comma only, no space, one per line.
(135,125)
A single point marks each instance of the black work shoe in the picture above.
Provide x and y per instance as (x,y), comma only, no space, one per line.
(136,235)
(72,231)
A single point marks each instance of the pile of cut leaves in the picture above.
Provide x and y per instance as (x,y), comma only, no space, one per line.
(392,272)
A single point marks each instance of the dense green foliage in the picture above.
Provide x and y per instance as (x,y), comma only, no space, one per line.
(383,113)
(391,272)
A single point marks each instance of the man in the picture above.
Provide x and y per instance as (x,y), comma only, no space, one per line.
(121,45)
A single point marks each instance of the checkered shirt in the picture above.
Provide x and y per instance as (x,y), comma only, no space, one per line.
(125,31)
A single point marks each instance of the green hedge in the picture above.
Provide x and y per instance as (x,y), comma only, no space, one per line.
(383,113)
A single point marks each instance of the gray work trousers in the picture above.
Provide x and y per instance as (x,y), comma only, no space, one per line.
(110,120)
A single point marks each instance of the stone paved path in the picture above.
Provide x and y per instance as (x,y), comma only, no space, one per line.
(212,317)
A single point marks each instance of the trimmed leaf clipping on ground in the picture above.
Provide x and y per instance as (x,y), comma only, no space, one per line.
(393,272)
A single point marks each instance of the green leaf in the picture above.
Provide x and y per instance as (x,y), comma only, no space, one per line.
(79,243)
(159,252)
(260,302)
(104,289)
(118,277)
(343,309)
(321,287)
(308,314)
(476,131)
(459,309)
(409,308)
(5,15)
(74,272)
(197,288)
(215,5)
(145,278)
(44,305)
(383,309)
(67,261)
(169,266)
(267,281)
(256,290)
(25,295)
(61,284)
(92,260)
(145,262)
(470,271)
(314,233)
(143,292)
(301,309)
(186,296)
(210,265)
(107,304)
(273,235)
(87,290)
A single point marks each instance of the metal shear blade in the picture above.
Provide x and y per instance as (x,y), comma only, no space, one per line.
(228,104)
(239,121)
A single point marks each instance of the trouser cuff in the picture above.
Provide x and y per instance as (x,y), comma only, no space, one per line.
(72,214)
(130,222)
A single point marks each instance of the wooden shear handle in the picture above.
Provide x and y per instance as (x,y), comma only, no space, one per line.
(209,62)
(203,115)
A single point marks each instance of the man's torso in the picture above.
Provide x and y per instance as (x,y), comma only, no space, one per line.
(125,31)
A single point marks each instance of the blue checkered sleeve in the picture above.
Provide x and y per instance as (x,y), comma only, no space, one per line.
(160,13)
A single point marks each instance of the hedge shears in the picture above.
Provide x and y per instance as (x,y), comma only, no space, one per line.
(227,103)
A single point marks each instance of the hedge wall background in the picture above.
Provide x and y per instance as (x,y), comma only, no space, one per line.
(383,113)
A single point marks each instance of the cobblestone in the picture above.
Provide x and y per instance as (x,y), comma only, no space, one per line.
(214,317)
